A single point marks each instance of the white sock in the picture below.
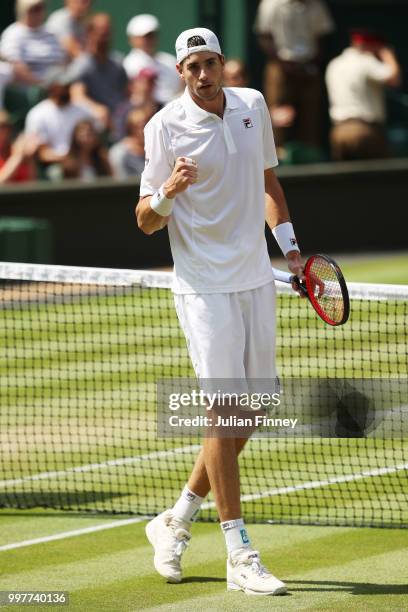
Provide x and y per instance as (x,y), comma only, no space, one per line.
(235,535)
(187,506)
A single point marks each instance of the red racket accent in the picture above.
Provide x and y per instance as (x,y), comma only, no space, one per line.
(327,289)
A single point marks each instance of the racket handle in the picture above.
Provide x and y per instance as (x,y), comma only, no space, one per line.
(299,284)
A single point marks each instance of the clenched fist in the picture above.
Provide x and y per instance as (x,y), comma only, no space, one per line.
(185,173)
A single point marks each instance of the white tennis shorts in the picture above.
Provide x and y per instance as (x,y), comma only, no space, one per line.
(230,335)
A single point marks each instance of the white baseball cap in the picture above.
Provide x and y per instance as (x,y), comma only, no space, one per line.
(142,25)
(183,50)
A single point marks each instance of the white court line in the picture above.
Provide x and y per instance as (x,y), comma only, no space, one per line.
(72,534)
(315,484)
(99,466)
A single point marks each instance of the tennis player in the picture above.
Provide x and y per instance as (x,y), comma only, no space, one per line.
(209,175)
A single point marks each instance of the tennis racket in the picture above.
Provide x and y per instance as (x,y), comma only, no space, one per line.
(325,288)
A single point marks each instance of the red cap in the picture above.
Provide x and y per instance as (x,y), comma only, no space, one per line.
(147,73)
(366,37)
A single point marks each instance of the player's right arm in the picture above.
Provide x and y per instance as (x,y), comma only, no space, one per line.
(163,177)
(184,174)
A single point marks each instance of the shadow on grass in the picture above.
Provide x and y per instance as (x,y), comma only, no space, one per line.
(74,501)
(211,579)
(354,588)
(201,579)
(74,514)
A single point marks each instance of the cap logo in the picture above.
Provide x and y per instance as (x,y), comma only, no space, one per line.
(195,41)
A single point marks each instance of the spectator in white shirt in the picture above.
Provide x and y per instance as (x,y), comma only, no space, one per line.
(29,46)
(356,82)
(68,25)
(53,120)
(143,32)
(290,32)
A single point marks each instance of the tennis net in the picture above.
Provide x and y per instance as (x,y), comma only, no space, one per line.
(82,350)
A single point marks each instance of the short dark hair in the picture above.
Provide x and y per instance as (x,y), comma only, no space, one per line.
(195,41)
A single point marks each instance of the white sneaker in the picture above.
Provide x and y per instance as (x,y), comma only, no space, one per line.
(169,537)
(246,573)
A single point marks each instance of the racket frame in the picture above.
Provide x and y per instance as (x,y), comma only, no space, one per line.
(307,289)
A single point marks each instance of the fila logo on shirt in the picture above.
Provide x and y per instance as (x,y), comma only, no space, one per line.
(247,122)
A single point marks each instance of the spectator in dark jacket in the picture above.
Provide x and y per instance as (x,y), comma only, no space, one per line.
(141,96)
(100,78)
(127,156)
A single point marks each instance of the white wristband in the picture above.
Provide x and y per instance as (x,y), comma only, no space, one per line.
(285,237)
(160,204)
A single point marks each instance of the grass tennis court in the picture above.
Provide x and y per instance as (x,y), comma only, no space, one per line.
(378,269)
(370,268)
(56,361)
(328,568)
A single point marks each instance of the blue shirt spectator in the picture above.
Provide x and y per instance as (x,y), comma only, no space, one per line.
(101,80)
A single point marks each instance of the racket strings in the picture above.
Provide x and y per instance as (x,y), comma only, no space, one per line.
(326,289)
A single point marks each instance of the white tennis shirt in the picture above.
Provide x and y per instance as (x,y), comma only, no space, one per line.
(217,227)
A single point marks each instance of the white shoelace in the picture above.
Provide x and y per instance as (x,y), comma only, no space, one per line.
(256,565)
(184,540)
(182,535)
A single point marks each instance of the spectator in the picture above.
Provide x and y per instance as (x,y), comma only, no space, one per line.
(143,32)
(16,159)
(127,156)
(100,78)
(68,25)
(356,81)
(28,45)
(87,158)
(53,120)
(235,73)
(290,32)
(141,96)
(6,77)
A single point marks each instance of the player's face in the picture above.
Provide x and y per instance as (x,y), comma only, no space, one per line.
(203,74)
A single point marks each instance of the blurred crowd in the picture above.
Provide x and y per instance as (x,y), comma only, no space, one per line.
(71,106)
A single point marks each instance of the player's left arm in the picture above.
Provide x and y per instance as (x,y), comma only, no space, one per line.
(277,213)
(276,209)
